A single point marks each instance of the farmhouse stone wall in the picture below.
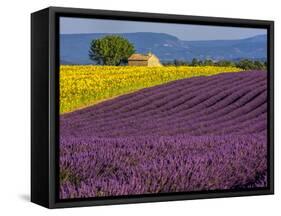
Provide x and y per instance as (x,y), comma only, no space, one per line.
(149,60)
(153,61)
(137,63)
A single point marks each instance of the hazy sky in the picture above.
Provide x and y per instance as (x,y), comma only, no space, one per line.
(182,31)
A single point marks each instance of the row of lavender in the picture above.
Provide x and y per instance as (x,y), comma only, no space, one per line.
(194,134)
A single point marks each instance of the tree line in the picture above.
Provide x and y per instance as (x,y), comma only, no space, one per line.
(246,64)
(115,50)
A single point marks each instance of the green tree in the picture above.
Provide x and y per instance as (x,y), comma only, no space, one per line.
(176,62)
(208,62)
(225,63)
(259,65)
(265,65)
(111,50)
(200,63)
(194,62)
(246,64)
(180,62)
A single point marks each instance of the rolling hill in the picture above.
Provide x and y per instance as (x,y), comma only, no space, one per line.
(74,47)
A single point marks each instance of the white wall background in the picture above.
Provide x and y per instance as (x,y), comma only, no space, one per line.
(15,107)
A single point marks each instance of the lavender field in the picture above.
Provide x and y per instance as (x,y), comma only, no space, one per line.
(194,134)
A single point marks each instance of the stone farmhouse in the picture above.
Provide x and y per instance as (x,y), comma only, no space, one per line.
(149,60)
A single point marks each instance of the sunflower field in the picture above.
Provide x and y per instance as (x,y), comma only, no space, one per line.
(81,86)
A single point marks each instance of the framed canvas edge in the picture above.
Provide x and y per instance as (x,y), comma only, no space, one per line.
(53,67)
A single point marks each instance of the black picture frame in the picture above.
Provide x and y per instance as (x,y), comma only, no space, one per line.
(45,104)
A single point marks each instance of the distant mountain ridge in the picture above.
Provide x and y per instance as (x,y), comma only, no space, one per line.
(74,48)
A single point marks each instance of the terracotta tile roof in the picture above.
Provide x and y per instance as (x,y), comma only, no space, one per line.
(139,57)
